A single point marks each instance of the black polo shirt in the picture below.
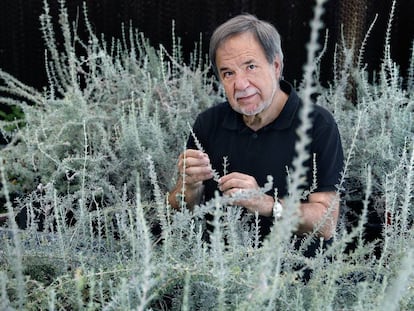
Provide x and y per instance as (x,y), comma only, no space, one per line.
(270,150)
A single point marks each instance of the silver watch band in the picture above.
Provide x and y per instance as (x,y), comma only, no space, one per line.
(277,209)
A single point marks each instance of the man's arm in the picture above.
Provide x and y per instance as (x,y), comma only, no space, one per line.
(320,211)
(192,194)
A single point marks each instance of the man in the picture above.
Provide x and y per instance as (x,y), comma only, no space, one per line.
(256,130)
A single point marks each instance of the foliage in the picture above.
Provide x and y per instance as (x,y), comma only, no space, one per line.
(96,155)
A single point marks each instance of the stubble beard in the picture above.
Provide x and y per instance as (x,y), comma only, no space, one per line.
(255,117)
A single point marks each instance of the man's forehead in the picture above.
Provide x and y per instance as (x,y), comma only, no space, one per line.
(240,51)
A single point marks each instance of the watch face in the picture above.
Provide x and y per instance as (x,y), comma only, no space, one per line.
(277,209)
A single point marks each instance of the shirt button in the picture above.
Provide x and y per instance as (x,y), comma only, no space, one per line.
(254,136)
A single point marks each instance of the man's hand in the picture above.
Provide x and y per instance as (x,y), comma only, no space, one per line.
(237,182)
(195,166)
(320,211)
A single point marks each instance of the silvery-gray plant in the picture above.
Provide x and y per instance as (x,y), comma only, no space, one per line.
(93,159)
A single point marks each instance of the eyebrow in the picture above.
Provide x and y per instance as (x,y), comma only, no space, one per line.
(248,62)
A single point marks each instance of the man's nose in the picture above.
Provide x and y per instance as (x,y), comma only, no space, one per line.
(241,82)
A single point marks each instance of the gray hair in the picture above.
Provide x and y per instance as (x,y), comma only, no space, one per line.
(264,32)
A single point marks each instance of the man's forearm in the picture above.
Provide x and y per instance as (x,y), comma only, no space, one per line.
(191,195)
(321,213)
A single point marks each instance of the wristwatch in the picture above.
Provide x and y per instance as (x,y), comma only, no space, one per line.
(277,209)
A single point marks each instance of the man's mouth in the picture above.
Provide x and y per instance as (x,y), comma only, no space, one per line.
(245,96)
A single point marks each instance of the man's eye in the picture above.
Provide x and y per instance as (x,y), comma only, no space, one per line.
(227,74)
(251,67)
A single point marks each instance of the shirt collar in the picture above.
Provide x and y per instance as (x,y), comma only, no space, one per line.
(234,120)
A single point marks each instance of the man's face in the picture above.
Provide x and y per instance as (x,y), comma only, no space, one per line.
(249,81)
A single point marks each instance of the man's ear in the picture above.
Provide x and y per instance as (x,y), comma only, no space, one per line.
(277,64)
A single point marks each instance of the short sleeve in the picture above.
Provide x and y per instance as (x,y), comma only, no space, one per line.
(327,148)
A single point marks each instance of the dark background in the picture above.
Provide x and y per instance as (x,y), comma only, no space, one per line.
(22,48)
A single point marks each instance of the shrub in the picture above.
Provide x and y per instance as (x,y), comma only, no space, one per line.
(96,155)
